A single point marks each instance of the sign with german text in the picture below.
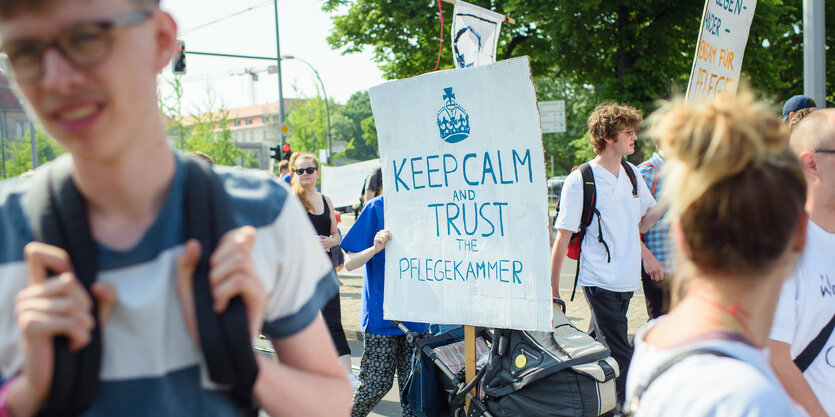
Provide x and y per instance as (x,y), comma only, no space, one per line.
(465,198)
(720,48)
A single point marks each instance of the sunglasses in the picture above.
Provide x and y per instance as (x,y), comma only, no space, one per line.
(85,45)
(308,170)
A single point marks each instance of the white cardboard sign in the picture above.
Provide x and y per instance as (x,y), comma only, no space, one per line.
(465,198)
(720,48)
(344,184)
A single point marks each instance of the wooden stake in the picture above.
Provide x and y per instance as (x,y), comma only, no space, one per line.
(507,19)
(469,358)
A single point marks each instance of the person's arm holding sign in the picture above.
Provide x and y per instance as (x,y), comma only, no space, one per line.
(354,260)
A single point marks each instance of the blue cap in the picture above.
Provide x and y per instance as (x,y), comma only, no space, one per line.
(798,102)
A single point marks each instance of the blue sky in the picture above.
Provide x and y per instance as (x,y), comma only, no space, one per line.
(303,28)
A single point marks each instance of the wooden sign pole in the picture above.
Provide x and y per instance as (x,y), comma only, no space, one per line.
(469,358)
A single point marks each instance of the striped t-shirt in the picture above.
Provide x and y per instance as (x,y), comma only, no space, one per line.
(150,365)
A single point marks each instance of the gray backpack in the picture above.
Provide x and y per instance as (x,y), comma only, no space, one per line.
(560,373)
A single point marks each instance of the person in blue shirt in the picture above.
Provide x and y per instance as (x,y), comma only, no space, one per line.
(386,350)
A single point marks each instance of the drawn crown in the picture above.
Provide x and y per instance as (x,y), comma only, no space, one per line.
(452,119)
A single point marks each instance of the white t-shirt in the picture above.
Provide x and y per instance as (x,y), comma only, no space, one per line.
(707,385)
(807,303)
(620,213)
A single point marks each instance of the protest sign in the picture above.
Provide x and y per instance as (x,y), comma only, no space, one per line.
(475,34)
(720,48)
(344,184)
(465,198)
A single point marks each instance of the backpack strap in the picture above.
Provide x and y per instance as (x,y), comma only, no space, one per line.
(631,174)
(633,403)
(589,208)
(224,338)
(58,217)
(589,195)
(814,348)
(654,176)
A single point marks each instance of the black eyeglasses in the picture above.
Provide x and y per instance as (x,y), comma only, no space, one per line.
(308,170)
(824,150)
(84,45)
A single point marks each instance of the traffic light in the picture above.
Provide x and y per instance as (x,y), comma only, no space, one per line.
(286,152)
(178,64)
(275,153)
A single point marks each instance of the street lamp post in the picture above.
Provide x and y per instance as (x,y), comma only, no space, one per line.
(324,94)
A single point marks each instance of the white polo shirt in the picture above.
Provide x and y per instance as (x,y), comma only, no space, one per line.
(620,213)
(807,303)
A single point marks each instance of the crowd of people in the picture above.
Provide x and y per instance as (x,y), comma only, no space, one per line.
(729,227)
(736,276)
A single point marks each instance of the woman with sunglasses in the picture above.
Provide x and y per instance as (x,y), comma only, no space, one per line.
(736,195)
(320,211)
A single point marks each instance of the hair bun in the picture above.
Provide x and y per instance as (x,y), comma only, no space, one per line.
(731,180)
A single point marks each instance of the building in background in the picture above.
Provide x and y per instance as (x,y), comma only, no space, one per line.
(254,128)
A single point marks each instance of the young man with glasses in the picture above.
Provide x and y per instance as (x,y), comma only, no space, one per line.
(807,300)
(608,272)
(87,70)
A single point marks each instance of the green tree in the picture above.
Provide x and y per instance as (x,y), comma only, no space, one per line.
(570,148)
(309,125)
(585,52)
(19,152)
(206,131)
(362,137)
(633,51)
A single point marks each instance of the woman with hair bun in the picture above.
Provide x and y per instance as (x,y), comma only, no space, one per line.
(736,194)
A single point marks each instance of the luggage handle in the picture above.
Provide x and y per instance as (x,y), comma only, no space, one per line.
(410,335)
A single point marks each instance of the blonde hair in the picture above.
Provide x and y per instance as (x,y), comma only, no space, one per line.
(607,119)
(732,182)
(297,188)
(293,157)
